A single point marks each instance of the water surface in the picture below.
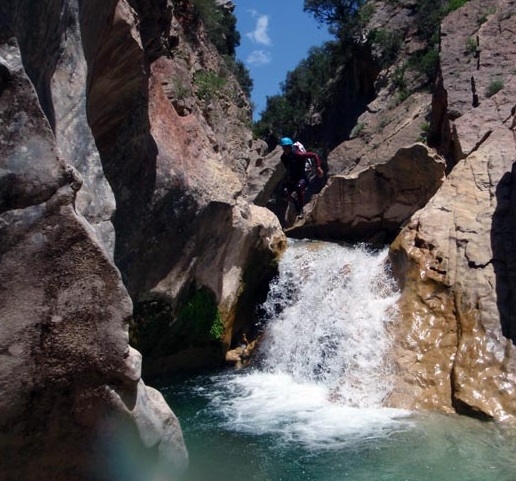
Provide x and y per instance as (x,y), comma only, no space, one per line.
(232,436)
(311,408)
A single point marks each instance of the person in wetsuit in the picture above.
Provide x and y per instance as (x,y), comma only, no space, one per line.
(298,165)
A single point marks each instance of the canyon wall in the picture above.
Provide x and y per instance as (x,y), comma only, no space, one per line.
(124,140)
(131,215)
(455,345)
(446,206)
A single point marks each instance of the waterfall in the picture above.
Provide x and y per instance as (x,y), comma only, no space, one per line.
(311,408)
(322,373)
(328,312)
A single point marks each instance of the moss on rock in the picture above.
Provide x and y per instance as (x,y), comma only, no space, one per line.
(161,329)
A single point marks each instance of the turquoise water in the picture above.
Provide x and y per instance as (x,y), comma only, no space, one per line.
(311,407)
(413,447)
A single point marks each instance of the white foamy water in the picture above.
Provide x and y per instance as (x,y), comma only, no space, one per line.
(323,374)
(333,304)
(275,404)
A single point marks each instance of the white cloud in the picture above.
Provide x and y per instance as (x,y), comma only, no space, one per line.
(260,34)
(259,57)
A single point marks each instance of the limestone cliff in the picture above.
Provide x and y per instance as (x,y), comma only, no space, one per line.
(454,344)
(123,145)
(456,338)
(449,204)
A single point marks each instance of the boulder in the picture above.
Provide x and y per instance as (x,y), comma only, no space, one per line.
(371,204)
(237,247)
(468,52)
(264,174)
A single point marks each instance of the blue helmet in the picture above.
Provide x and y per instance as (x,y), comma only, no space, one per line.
(286,141)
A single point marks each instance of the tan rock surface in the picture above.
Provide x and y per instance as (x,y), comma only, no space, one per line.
(451,343)
(455,258)
(370,204)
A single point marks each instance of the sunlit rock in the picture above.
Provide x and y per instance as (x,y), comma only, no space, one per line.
(371,204)
(455,343)
(455,259)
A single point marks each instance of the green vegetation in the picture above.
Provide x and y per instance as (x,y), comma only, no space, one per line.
(341,16)
(365,13)
(471,45)
(388,43)
(357,129)
(425,129)
(241,73)
(398,78)
(158,330)
(285,114)
(181,89)
(308,85)
(208,84)
(201,314)
(426,62)
(494,87)
(483,17)
(220,25)
(382,123)
(454,5)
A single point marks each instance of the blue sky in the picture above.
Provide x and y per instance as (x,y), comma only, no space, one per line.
(275,36)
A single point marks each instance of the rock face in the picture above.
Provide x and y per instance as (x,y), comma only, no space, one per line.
(53,59)
(127,102)
(371,204)
(172,139)
(70,382)
(455,344)
(455,340)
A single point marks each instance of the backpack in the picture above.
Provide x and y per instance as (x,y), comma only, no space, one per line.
(310,169)
(298,147)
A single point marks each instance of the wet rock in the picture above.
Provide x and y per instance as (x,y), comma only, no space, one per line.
(455,340)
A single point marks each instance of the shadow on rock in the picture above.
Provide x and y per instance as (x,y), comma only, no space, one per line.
(503,244)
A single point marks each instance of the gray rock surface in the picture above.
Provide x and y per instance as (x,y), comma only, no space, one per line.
(68,377)
(54,62)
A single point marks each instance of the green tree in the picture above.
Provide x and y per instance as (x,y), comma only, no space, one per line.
(220,25)
(276,120)
(241,72)
(339,15)
(313,79)
(285,114)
